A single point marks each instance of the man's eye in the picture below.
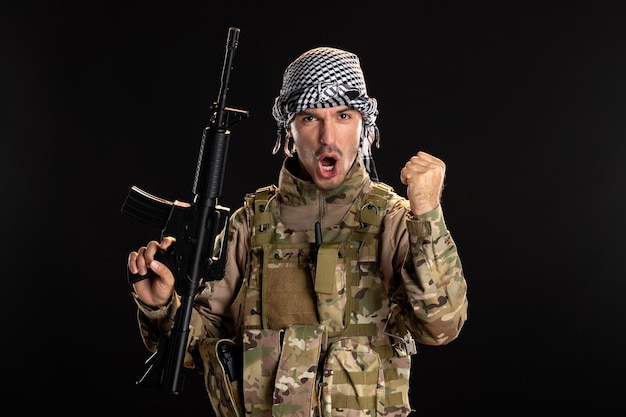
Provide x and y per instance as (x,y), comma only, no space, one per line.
(344,116)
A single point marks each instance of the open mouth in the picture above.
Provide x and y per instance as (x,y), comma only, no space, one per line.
(327,167)
(327,164)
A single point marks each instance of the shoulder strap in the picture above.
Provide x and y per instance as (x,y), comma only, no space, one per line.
(371,213)
(261,220)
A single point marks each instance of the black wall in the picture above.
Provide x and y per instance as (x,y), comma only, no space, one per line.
(525,101)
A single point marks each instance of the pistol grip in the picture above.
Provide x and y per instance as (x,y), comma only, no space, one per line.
(161,256)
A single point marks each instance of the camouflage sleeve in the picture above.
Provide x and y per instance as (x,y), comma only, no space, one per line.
(433,279)
(155,322)
(215,302)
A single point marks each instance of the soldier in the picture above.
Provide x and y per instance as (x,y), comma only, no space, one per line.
(331,276)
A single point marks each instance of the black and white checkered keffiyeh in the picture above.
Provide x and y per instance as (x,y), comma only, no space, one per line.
(327,77)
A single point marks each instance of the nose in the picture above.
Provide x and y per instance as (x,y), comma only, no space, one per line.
(328,134)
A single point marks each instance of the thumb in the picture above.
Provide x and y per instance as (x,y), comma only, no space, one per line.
(162,271)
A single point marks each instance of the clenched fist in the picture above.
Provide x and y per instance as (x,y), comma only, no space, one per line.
(423,175)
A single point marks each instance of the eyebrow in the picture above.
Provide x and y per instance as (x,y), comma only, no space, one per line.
(343,109)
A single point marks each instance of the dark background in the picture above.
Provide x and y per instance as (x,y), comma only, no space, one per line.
(524,101)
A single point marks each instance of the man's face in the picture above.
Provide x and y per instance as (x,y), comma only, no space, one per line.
(327,142)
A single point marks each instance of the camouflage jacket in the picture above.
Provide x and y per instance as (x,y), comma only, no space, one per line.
(417,262)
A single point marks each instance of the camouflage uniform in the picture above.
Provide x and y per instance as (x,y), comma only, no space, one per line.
(335,343)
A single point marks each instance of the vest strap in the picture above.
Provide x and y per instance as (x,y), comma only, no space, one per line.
(327,255)
(371,214)
(355,329)
(262,220)
(354,403)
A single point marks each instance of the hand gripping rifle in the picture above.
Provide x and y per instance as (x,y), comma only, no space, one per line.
(196,227)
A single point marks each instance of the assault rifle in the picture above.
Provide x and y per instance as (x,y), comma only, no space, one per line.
(197,254)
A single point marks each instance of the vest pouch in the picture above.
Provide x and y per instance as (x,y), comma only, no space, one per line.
(333,287)
(220,358)
(353,382)
(261,352)
(295,391)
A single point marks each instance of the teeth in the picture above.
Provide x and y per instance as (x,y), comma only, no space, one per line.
(328,168)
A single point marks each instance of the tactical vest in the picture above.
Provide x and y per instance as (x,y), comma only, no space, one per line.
(320,335)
